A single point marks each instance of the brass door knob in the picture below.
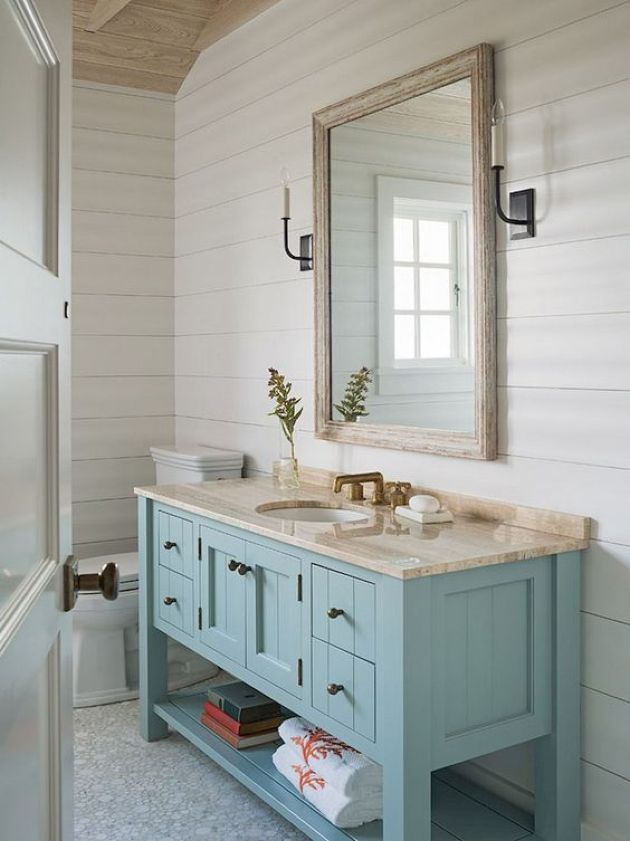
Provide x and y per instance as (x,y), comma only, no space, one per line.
(233,565)
(334,612)
(169,600)
(105,582)
(243,569)
(334,688)
(168,545)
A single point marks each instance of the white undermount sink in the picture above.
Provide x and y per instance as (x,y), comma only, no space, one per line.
(310,512)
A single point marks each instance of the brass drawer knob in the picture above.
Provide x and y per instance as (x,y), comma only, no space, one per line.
(233,565)
(168,545)
(334,688)
(334,612)
(243,569)
(169,600)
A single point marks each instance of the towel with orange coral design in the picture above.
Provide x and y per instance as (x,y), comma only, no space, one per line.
(341,810)
(350,772)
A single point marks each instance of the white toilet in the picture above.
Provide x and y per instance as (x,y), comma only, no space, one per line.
(105,639)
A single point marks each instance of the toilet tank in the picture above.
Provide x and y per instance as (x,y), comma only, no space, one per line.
(195,463)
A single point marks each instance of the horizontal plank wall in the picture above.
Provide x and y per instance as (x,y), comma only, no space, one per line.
(564,298)
(122,308)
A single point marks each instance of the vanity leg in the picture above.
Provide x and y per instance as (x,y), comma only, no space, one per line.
(557,815)
(152,651)
(405,709)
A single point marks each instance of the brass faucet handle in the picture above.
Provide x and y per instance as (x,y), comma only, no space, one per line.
(398,492)
(378,494)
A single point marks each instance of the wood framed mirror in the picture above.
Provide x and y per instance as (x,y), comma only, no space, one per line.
(405,262)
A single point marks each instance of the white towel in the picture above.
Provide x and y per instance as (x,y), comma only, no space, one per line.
(345,768)
(344,812)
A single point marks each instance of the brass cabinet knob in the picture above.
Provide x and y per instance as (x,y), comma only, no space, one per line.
(334,688)
(243,569)
(233,565)
(168,545)
(334,612)
(170,600)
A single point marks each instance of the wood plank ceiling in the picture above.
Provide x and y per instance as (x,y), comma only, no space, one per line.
(151,44)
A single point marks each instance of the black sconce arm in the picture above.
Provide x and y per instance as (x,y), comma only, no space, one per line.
(305,256)
(520,200)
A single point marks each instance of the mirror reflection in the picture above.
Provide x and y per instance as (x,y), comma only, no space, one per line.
(401,262)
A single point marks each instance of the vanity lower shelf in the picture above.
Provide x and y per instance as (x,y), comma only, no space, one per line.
(460,811)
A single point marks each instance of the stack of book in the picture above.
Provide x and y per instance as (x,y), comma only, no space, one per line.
(241,716)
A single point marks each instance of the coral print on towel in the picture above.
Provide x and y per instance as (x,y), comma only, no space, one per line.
(308,778)
(318,744)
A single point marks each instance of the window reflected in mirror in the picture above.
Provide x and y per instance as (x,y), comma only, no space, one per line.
(402,260)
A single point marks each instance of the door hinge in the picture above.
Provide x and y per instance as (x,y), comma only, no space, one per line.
(199,618)
(300,667)
(199,548)
(299,587)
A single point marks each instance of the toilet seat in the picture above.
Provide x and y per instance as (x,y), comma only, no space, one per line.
(127,563)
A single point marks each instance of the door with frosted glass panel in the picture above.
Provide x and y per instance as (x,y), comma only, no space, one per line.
(35,502)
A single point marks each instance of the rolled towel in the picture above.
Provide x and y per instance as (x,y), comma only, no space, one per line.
(346,769)
(344,812)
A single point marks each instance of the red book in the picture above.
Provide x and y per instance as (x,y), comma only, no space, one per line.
(238,742)
(237,727)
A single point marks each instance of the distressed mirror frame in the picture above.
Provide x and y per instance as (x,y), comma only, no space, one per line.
(478,64)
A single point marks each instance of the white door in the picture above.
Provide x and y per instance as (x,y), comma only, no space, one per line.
(35,502)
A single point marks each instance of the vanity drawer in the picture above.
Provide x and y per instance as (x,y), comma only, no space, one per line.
(174,606)
(354,704)
(344,611)
(174,543)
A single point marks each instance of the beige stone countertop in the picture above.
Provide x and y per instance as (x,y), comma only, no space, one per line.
(384,542)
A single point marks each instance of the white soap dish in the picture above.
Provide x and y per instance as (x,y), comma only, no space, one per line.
(442,516)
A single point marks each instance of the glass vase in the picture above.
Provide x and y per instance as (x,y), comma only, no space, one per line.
(288,473)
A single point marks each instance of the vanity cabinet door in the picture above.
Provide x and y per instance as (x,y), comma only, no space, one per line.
(222,594)
(174,542)
(344,688)
(274,617)
(344,611)
(174,602)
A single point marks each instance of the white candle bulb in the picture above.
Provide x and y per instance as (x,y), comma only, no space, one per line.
(498,139)
(286,193)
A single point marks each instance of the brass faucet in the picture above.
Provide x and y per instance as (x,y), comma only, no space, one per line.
(355,480)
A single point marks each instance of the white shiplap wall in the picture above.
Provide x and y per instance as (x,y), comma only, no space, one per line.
(122,313)
(564,339)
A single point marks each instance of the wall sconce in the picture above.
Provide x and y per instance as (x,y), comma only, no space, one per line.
(305,256)
(522,202)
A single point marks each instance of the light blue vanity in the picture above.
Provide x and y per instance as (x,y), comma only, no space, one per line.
(417,669)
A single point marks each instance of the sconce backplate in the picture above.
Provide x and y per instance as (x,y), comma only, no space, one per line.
(522,204)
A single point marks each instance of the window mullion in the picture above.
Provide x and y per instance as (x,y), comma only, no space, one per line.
(416,274)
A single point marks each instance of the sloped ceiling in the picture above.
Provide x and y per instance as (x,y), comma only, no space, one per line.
(151,44)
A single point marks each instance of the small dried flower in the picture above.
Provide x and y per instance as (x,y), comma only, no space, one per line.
(286,409)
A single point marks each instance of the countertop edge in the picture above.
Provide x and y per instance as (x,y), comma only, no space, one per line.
(551,544)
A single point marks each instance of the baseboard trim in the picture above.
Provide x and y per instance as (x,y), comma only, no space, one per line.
(500,786)
(590,833)
(520,797)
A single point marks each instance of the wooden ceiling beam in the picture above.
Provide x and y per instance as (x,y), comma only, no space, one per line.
(229,17)
(104,11)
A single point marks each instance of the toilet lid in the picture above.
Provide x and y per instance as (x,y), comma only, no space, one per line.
(127,567)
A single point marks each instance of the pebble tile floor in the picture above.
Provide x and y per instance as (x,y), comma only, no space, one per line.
(127,789)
